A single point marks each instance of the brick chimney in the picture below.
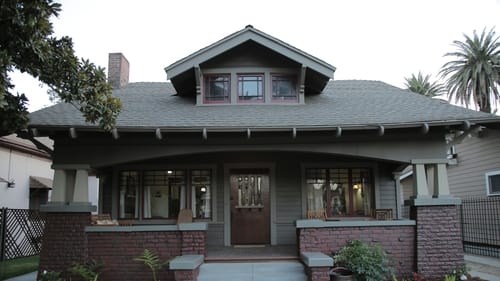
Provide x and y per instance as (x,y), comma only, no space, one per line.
(117,70)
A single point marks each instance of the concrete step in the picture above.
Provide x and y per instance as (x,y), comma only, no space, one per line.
(252,271)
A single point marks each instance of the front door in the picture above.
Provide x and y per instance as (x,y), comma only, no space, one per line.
(250,212)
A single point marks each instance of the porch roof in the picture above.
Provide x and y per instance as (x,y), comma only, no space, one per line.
(349,104)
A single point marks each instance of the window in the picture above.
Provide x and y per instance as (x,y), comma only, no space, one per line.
(493,183)
(250,88)
(129,190)
(164,193)
(284,88)
(201,193)
(161,194)
(217,88)
(341,191)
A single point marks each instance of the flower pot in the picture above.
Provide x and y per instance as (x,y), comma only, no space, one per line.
(341,274)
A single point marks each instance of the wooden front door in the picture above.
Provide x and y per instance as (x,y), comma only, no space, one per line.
(249,198)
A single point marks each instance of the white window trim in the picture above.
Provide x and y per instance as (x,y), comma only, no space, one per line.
(487,179)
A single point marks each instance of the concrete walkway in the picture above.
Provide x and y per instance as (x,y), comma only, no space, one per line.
(26,277)
(484,267)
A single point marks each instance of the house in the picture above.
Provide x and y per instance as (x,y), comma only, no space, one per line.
(25,173)
(474,169)
(251,134)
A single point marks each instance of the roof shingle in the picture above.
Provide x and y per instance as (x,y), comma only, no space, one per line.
(342,103)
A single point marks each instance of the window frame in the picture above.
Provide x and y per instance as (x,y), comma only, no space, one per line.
(263,87)
(370,180)
(293,79)
(207,79)
(140,193)
(487,176)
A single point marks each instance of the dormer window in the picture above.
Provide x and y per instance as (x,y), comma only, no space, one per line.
(284,88)
(217,88)
(250,88)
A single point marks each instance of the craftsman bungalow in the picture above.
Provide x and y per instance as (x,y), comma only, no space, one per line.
(253,135)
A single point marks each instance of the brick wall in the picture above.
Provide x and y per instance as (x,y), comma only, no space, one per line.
(194,242)
(118,249)
(64,241)
(439,240)
(318,273)
(398,241)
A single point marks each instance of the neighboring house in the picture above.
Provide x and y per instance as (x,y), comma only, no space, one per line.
(252,135)
(25,173)
(475,165)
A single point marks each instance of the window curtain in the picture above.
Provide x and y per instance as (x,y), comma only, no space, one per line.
(147,202)
(315,196)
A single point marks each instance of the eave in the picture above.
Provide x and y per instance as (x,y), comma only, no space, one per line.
(242,36)
(337,130)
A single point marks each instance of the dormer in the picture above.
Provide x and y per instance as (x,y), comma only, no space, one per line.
(249,67)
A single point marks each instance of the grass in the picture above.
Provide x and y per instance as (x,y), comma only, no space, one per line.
(19,266)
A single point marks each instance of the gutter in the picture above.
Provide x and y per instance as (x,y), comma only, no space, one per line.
(37,143)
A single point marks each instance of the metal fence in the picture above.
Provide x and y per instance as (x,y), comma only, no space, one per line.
(480,224)
(21,233)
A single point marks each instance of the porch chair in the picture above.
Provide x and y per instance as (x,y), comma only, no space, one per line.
(383,214)
(316,214)
(185,215)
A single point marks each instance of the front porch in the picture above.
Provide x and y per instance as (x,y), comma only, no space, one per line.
(235,195)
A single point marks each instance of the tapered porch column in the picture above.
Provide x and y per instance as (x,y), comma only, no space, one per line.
(420,188)
(67,215)
(437,224)
(59,187)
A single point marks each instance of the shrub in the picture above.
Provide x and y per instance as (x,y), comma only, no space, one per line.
(367,262)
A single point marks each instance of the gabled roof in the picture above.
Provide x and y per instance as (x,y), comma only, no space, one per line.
(242,36)
(350,104)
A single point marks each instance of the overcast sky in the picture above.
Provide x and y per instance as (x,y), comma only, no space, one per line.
(364,39)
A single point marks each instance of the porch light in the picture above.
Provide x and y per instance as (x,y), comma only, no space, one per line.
(203,189)
(169,172)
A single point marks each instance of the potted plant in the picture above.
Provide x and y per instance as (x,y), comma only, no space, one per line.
(366,262)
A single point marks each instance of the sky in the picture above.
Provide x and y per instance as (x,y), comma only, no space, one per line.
(364,39)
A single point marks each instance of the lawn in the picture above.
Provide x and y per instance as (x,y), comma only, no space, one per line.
(19,266)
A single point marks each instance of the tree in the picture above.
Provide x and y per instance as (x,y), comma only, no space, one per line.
(422,85)
(473,76)
(27,44)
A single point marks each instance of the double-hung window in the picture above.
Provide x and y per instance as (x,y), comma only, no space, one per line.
(217,88)
(251,88)
(284,88)
(493,183)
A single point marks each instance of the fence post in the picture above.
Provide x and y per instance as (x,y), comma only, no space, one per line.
(3,230)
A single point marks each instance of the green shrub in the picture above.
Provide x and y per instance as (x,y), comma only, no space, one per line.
(367,262)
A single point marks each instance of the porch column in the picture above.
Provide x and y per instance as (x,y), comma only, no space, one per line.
(59,187)
(399,198)
(81,188)
(441,187)
(437,224)
(67,215)
(420,188)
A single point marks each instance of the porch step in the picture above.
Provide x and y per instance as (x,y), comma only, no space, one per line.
(252,271)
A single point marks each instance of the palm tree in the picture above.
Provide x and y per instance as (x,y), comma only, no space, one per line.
(422,85)
(474,74)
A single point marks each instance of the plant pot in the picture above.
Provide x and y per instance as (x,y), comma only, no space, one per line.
(341,274)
